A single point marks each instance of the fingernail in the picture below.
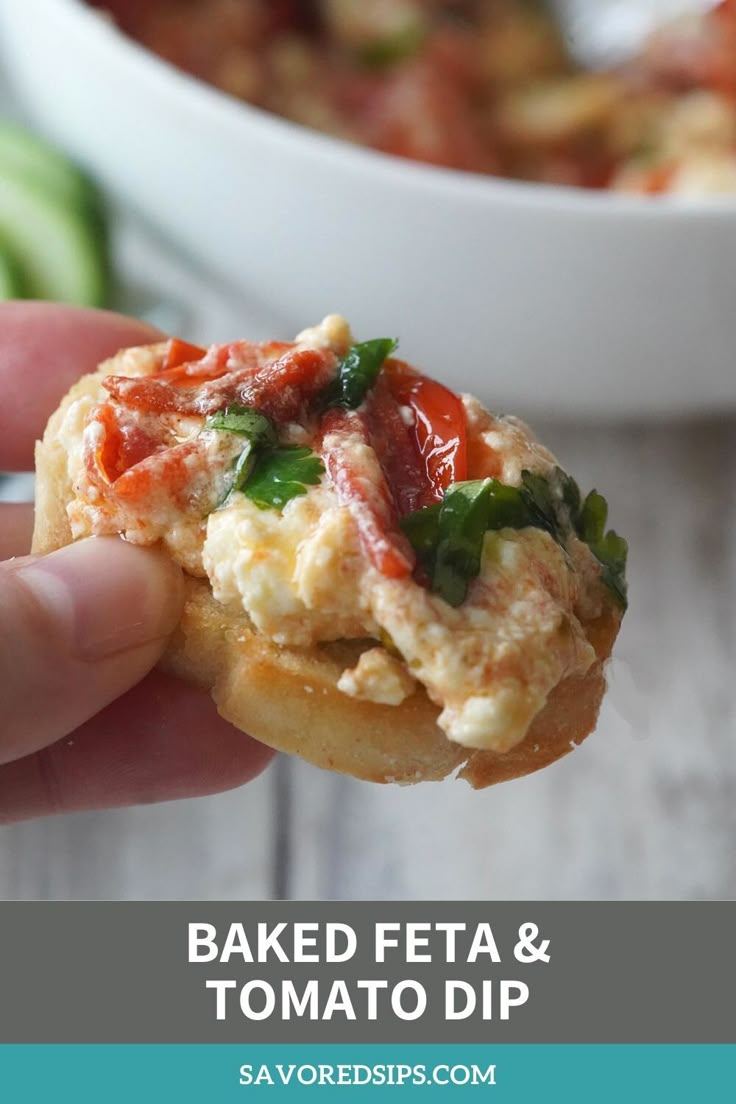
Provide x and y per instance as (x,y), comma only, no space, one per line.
(106,595)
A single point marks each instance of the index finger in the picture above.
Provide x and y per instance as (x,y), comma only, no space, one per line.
(44,349)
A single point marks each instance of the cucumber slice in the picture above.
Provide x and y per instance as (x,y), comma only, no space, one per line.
(62,255)
(12,284)
(23,154)
(39,167)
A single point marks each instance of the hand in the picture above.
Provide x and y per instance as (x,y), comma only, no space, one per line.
(83,724)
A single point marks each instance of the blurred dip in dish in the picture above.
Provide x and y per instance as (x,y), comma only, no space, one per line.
(551,300)
(485,86)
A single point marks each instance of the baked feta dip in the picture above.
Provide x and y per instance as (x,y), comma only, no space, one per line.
(484,86)
(328,491)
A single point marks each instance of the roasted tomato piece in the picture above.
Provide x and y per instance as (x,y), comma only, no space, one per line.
(361,486)
(396,446)
(440,426)
(120,443)
(180,352)
(283,389)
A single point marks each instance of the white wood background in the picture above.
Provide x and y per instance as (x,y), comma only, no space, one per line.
(645,809)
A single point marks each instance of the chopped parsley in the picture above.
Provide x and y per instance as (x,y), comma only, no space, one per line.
(281,474)
(246,422)
(270,476)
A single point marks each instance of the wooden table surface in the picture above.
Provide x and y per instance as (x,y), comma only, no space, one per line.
(645,809)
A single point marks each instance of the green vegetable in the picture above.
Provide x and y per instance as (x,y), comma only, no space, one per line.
(52,222)
(539,496)
(590,522)
(611,552)
(609,548)
(448,537)
(586,519)
(421,528)
(269,475)
(279,475)
(12,285)
(246,422)
(570,493)
(390,49)
(259,431)
(60,255)
(463,521)
(24,154)
(509,507)
(358,372)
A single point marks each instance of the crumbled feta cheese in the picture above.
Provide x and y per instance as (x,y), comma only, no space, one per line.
(378,677)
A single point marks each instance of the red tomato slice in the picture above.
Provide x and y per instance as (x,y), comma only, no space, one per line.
(397,450)
(440,425)
(120,445)
(180,352)
(282,389)
(361,487)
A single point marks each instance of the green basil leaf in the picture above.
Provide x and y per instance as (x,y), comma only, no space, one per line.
(570,493)
(611,552)
(609,548)
(422,531)
(279,475)
(358,371)
(539,496)
(448,537)
(591,526)
(463,522)
(509,508)
(246,422)
(243,469)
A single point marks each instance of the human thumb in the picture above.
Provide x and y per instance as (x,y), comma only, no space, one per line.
(78,627)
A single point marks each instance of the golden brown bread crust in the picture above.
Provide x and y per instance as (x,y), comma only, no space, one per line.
(288,697)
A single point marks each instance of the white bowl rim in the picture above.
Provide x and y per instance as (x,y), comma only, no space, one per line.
(453,184)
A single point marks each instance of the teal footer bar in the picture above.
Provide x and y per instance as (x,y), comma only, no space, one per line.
(268,1074)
